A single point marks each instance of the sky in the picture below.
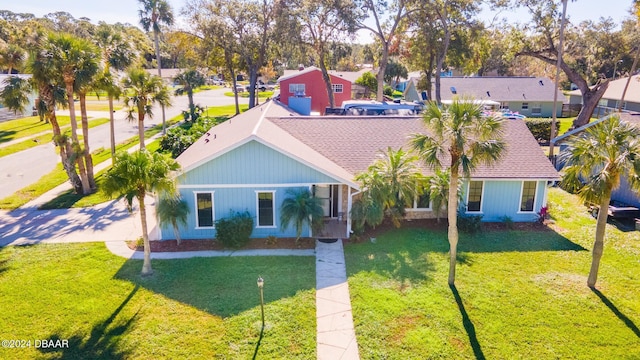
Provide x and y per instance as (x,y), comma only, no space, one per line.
(126,11)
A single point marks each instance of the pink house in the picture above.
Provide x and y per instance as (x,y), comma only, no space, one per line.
(307,86)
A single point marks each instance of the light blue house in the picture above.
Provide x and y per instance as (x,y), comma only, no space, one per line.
(250,162)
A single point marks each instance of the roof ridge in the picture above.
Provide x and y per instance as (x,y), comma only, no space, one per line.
(262,116)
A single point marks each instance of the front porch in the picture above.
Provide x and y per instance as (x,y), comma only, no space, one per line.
(333,229)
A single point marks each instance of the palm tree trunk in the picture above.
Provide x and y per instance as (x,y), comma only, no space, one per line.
(112,130)
(598,244)
(452,214)
(158,60)
(146,264)
(141,125)
(176,232)
(74,136)
(85,134)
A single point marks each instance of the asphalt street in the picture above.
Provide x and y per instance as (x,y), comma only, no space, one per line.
(24,168)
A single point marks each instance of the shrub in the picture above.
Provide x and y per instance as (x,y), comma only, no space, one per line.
(271,240)
(540,128)
(388,90)
(235,230)
(469,223)
(507,221)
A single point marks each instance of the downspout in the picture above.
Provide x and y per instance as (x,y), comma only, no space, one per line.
(349,204)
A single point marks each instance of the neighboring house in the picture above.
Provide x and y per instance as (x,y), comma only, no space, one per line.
(305,90)
(612,96)
(251,161)
(529,96)
(167,74)
(6,114)
(623,193)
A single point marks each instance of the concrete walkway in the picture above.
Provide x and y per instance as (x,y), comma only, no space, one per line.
(336,339)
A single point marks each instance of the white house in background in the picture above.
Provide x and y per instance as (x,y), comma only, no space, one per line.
(612,96)
(6,114)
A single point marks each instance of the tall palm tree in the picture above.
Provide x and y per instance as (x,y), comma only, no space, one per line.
(461,134)
(44,81)
(172,210)
(438,189)
(12,57)
(136,175)
(153,14)
(142,91)
(598,158)
(116,54)
(301,207)
(393,181)
(190,80)
(74,59)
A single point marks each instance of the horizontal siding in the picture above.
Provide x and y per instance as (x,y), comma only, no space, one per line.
(502,198)
(624,194)
(253,163)
(225,201)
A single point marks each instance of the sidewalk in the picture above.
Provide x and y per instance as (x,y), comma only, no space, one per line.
(336,339)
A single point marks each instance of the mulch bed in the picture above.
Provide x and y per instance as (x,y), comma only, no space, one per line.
(201,245)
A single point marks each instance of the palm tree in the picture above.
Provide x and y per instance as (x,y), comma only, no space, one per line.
(153,14)
(116,54)
(190,80)
(136,175)
(462,134)
(393,181)
(74,59)
(301,208)
(12,57)
(172,210)
(14,95)
(597,159)
(142,90)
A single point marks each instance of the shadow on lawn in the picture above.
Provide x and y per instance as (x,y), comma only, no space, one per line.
(515,240)
(103,341)
(468,325)
(224,286)
(630,324)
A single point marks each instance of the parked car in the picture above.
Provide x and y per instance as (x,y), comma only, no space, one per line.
(239,88)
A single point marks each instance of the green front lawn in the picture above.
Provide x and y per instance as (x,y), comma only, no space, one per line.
(518,295)
(200,308)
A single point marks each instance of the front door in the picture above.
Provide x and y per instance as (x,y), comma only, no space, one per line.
(328,195)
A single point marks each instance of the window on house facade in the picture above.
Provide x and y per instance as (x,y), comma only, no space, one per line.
(297,89)
(204,210)
(337,88)
(266,210)
(536,109)
(422,202)
(474,196)
(525,106)
(528,198)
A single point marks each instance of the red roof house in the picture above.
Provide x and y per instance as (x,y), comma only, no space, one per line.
(307,86)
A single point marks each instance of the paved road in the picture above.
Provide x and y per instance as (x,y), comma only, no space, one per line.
(23,168)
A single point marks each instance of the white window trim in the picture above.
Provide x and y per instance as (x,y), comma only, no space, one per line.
(537,107)
(335,87)
(414,207)
(466,206)
(535,198)
(293,88)
(273,199)
(213,210)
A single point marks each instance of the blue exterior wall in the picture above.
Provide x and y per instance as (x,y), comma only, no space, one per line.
(502,198)
(624,194)
(234,179)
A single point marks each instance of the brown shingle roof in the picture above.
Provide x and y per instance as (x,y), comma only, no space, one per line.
(353,144)
(345,146)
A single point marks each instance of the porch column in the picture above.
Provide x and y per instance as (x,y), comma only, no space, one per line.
(349,203)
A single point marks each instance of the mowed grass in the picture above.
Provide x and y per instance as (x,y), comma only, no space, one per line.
(518,294)
(18,128)
(42,139)
(200,308)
